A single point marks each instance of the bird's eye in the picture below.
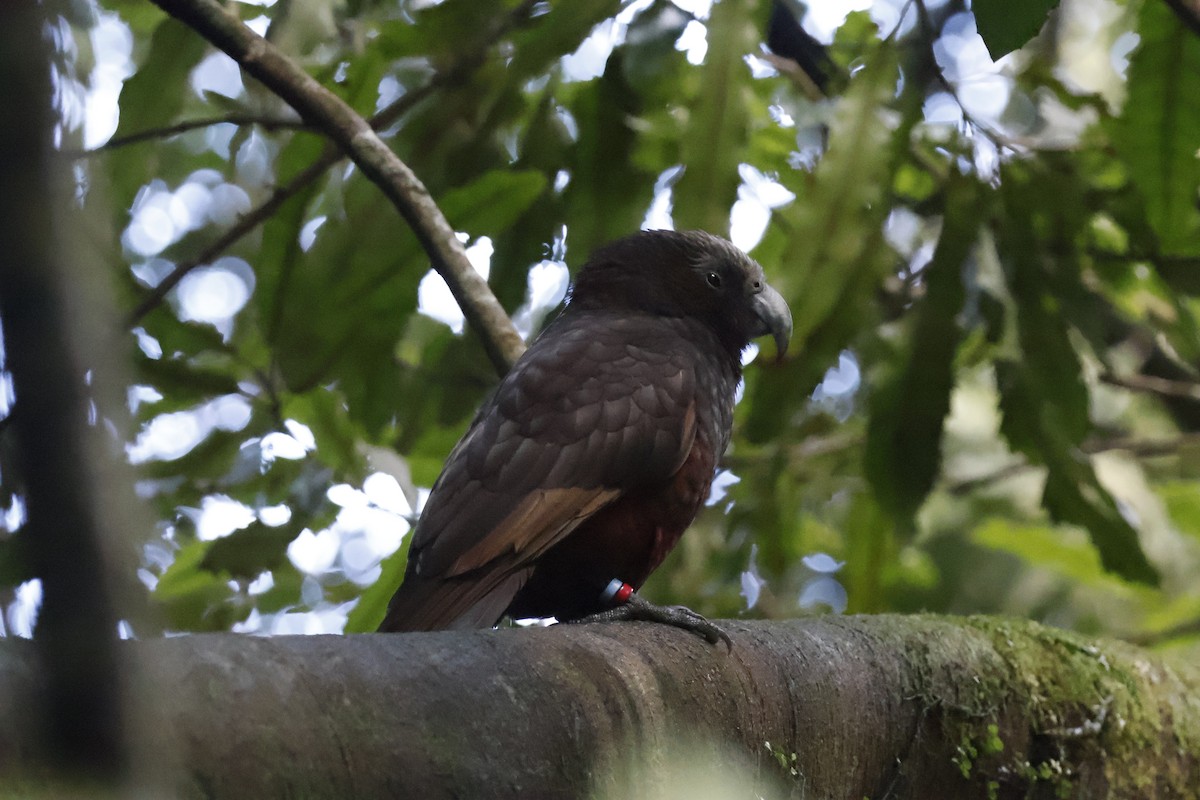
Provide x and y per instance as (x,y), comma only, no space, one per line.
(714,280)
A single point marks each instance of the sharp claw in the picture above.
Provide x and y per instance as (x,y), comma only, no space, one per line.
(678,616)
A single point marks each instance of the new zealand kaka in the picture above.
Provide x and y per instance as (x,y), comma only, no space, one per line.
(593,455)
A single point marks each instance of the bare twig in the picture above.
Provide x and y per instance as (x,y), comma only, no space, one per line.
(1154,385)
(257,215)
(269,123)
(1133,445)
(253,218)
(327,112)
(244,225)
(1142,448)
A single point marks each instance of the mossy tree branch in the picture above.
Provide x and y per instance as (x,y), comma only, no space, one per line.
(897,707)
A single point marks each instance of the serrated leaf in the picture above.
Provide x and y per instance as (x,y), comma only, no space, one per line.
(608,193)
(1072,493)
(1158,132)
(717,130)
(1007,25)
(1044,402)
(345,304)
(843,203)
(826,252)
(903,452)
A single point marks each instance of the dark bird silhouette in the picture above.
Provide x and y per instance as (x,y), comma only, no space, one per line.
(585,466)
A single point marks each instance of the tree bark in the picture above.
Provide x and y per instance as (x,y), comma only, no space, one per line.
(888,706)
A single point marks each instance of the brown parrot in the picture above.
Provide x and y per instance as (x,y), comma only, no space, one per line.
(594,454)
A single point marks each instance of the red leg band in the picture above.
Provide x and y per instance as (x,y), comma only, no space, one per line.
(617,592)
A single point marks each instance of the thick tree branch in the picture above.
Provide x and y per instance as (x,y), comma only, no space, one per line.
(327,112)
(897,707)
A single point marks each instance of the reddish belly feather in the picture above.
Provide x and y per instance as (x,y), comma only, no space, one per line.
(626,540)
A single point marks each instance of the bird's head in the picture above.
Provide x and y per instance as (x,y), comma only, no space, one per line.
(686,273)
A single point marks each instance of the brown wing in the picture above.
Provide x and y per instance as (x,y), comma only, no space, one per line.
(584,416)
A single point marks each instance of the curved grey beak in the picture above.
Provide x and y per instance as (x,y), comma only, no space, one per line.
(774,315)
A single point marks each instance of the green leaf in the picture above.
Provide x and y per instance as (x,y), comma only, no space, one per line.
(1158,132)
(185,380)
(193,598)
(1064,552)
(368,613)
(177,337)
(608,193)
(156,93)
(1043,400)
(1183,504)
(442,31)
(15,564)
(903,452)
(211,458)
(558,33)
(715,139)
(826,252)
(839,209)
(325,413)
(1006,25)
(489,205)
(248,552)
(343,306)
(152,98)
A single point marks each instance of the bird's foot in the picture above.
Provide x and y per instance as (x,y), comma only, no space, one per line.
(635,608)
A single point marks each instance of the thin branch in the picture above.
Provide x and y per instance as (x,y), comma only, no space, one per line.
(1160,260)
(1133,445)
(1142,448)
(1154,385)
(255,216)
(328,113)
(269,123)
(1189,16)
(1150,638)
(244,225)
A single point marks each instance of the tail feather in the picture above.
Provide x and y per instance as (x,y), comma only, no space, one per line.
(459,603)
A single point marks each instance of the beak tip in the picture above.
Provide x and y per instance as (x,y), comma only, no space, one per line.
(775,318)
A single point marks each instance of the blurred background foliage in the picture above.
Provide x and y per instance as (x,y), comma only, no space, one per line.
(985,221)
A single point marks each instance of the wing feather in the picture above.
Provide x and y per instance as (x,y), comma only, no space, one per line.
(581,419)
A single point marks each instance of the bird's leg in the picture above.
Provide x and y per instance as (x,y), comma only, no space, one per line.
(633,607)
